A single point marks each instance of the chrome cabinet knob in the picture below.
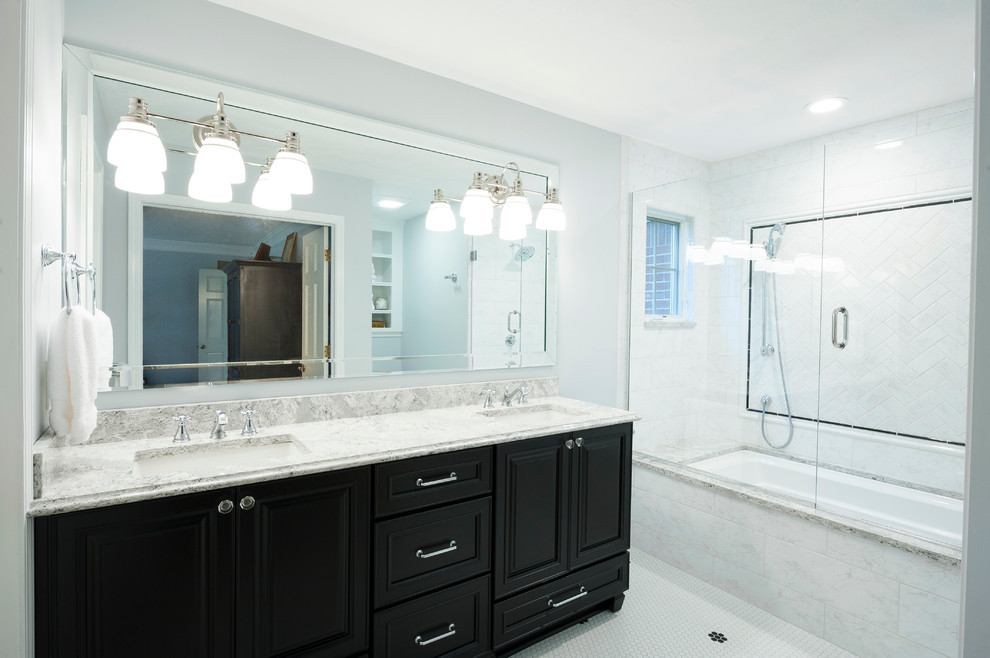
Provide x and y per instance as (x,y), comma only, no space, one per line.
(579,441)
(247,502)
(225,506)
(569,444)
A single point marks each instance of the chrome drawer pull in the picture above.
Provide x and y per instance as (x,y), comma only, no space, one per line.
(421,642)
(453,547)
(573,598)
(420,483)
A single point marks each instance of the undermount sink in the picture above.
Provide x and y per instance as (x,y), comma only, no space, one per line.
(534,411)
(225,455)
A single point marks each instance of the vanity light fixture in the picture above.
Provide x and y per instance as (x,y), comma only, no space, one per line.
(488,191)
(137,151)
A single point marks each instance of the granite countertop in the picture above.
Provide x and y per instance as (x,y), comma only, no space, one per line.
(69,478)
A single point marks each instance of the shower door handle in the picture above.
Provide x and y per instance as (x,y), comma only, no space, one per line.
(840,310)
(508,322)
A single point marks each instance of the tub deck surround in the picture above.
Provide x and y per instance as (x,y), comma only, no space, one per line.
(796,507)
(102,473)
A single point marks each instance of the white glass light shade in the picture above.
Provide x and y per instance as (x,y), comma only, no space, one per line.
(136,144)
(738,249)
(139,181)
(714,259)
(292,172)
(204,188)
(440,217)
(551,217)
(512,228)
(268,194)
(477,205)
(756,253)
(219,158)
(517,210)
(478,225)
(695,254)
(721,246)
(808,262)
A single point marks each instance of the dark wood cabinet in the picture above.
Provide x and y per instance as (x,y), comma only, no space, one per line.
(146,579)
(264,317)
(272,569)
(472,552)
(302,565)
(531,512)
(562,530)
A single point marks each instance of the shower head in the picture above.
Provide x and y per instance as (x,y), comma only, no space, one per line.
(523,254)
(772,245)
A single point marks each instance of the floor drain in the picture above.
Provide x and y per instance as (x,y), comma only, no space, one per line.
(717,637)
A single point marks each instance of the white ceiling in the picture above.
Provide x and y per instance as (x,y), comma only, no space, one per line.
(708,78)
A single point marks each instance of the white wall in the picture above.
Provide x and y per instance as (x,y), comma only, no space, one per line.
(278,60)
(30,214)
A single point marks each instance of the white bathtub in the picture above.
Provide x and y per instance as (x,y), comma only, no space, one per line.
(929,515)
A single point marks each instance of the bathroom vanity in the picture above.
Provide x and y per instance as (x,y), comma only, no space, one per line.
(462,534)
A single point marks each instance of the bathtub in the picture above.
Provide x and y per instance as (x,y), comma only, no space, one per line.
(929,515)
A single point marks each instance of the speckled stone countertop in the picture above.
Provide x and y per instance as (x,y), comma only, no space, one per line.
(98,474)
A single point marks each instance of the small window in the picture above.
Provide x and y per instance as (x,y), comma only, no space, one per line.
(662,266)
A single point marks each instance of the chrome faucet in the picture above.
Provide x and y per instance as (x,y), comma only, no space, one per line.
(181,435)
(249,427)
(219,425)
(489,401)
(509,395)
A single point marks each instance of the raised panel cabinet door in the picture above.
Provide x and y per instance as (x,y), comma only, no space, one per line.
(303,578)
(152,578)
(601,489)
(531,512)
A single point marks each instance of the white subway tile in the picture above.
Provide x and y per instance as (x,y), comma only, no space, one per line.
(929,620)
(687,558)
(791,606)
(869,641)
(853,590)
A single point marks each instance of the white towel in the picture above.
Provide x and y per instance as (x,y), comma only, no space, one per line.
(82,358)
(60,415)
(104,336)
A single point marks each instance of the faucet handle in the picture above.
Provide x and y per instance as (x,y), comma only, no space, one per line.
(181,435)
(489,401)
(522,398)
(249,426)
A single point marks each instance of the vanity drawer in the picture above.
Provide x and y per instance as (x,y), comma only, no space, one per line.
(420,552)
(453,622)
(527,613)
(432,480)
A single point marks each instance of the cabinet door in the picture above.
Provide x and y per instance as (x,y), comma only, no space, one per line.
(531,512)
(602,478)
(146,579)
(302,583)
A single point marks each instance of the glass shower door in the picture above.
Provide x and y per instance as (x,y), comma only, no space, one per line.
(894,354)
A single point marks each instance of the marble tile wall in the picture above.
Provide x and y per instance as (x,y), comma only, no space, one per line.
(689,383)
(151,422)
(871,598)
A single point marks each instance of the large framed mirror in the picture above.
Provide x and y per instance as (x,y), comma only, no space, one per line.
(347,282)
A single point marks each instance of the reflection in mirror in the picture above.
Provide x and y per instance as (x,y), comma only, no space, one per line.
(355,284)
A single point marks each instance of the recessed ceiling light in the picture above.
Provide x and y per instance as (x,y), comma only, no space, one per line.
(391,204)
(889,144)
(825,105)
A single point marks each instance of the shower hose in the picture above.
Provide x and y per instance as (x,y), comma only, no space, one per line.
(783,382)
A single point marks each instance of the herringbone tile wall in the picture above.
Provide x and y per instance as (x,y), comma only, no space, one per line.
(906,287)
